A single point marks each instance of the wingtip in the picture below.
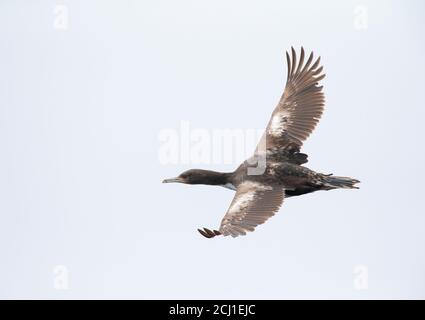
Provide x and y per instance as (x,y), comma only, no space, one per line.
(207,233)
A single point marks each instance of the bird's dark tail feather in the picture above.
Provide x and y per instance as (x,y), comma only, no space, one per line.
(335,182)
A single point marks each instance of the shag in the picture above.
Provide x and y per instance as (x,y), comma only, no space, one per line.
(275,171)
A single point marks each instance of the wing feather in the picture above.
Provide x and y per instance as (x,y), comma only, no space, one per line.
(301,105)
(253,204)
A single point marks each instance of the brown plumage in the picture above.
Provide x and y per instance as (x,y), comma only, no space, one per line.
(274,171)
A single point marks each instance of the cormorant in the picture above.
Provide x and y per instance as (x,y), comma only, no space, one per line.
(275,171)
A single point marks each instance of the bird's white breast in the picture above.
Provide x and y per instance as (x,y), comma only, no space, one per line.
(229,186)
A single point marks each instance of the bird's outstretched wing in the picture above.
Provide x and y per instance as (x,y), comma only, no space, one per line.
(299,108)
(252,205)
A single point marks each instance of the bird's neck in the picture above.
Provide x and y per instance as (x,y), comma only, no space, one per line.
(213,178)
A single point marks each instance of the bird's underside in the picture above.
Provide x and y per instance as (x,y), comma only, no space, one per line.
(259,196)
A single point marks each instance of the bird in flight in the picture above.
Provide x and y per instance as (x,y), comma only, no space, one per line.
(276,170)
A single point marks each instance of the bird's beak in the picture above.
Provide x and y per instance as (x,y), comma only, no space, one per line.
(177,179)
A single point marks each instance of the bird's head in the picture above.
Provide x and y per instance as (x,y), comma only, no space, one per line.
(197,176)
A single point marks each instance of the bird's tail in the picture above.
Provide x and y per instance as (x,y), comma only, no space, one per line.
(335,182)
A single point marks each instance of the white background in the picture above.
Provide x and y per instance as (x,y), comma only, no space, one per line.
(80,180)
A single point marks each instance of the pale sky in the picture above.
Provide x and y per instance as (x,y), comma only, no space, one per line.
(87,88)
